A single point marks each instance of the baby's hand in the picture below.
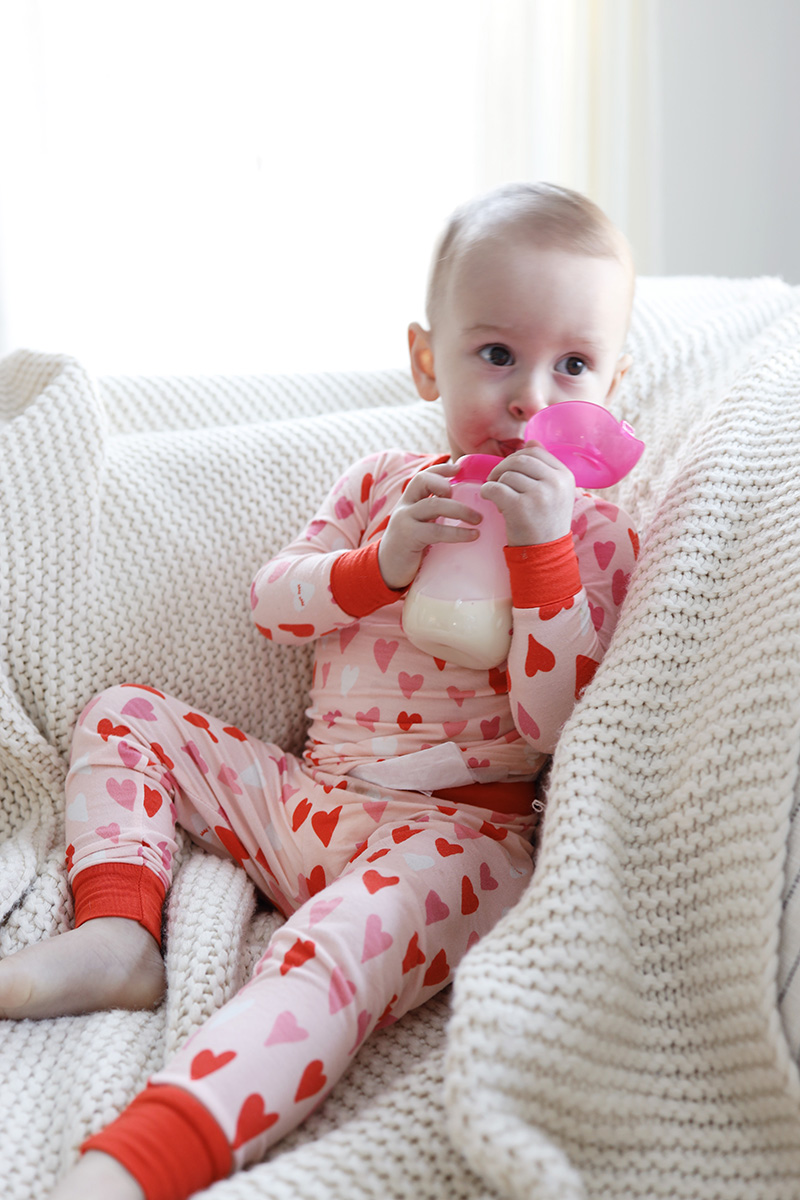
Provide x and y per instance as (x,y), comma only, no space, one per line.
(535,493)
(413,525)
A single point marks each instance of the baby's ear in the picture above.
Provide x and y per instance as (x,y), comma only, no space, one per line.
(421,355)
(624,364)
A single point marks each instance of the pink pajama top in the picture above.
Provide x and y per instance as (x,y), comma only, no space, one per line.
(393,714)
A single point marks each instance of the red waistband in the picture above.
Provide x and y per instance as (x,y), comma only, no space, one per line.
(514,798)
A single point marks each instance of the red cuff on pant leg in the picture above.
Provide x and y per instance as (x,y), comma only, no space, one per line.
(119,890)
(168,1141)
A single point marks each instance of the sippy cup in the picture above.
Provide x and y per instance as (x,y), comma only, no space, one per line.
(459,606)
(597,448)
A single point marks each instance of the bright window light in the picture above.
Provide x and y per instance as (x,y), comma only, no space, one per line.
(242,186)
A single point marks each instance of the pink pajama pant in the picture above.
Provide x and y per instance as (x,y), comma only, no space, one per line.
(384,892)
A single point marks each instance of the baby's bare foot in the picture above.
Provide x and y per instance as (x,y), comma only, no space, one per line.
(98,1177)
(110,962)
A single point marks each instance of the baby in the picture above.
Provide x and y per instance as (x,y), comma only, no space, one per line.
(405,830)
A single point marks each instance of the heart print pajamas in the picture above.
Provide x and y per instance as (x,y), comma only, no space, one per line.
(394,843)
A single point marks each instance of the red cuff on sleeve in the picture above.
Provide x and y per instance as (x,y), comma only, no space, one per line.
(545,574)
(119,890)
(168,1141)
(357,583)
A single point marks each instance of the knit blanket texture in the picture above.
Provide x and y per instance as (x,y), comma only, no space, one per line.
(630,1029)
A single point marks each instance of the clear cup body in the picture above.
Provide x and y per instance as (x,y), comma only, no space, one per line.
(459,606)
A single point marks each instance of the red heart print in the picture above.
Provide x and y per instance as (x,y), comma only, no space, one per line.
(374,881)
(129,754)
(262,629)
(230,779)
(409,683)
(488,881)
(152,801)
(598,615)
(579,526)
(435,908)
(253,1120)
(446,849)
(366,487)
(233,732)
(387,1018)
(123,792)
(384,653)
(286,1029)
(196,757)
(299,630)
(139,707)
(378,854)
(231,843)
(540,658)
(207,1061)
(376,507)
(364,1019)
(526,723)
(469,899)
(200,722)
(368,718)
(498,681)
(300,814)
(341,991)
(497,833)
(584,670)
(106,729)
(315,883)
(453,728)
(406,720)
(403,833)
(490,729)
(312,1081)
(346,636)
(619,586)
(633,535)
(298,954)
(607,509)
(477,763)
(548,611)
(441,663)
(437,972)
(604,552)
(376,939)
(413,956)
(161,756)
(324,823)
(328,787)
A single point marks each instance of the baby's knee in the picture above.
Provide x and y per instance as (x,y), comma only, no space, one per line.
(116,709)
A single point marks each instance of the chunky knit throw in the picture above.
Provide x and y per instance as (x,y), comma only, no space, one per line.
(631,1028)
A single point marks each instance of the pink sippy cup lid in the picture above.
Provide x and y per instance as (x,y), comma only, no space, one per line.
(475,467)
(587,438)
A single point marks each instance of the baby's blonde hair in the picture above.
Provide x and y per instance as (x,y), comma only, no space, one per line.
(548,214)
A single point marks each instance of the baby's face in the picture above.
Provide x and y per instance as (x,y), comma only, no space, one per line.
(521,327)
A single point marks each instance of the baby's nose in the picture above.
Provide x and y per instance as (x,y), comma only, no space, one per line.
(529,398)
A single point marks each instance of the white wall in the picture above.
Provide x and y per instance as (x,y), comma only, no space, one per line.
(727,95)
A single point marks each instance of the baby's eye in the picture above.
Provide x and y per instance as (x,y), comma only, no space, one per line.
(572,364)
(498,356)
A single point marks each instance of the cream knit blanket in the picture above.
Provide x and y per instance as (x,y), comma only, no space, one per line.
(630,1029)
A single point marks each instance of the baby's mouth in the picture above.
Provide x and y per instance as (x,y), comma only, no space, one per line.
(509,446)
